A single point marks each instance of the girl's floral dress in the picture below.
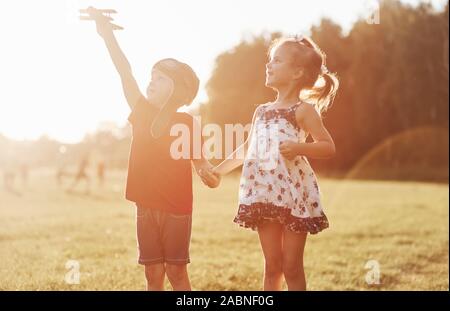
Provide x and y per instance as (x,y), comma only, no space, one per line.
(273,188)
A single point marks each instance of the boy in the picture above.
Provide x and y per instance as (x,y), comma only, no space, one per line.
(159,184)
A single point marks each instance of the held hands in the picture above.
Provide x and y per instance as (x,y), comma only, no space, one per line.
(289,149)
(209,177)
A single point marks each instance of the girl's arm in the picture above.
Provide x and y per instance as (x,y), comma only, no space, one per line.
(236,158)
(129,85)
(323,146)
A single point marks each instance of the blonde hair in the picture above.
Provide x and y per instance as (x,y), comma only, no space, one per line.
(317,84)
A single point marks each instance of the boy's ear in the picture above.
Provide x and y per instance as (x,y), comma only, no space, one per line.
(299,73)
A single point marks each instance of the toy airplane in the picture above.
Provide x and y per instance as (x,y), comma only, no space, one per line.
(92,13)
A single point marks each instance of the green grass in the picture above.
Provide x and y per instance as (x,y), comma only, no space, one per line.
(402,225)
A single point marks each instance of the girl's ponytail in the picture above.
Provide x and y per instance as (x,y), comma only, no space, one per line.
(324,94)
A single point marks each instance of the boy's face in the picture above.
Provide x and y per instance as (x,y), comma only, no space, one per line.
(160,88)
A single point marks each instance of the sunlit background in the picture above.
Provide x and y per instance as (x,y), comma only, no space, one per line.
(65,140)
(56,76)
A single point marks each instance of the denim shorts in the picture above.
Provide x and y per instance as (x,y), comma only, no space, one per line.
(162,237)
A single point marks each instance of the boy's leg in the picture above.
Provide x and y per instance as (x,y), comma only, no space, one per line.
(176,237)
(178,277)
(270,237)
(150,246)
(155,275)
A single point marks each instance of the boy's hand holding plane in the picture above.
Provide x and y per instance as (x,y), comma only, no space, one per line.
(102,20)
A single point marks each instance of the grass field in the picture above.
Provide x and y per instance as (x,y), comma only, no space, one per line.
(402,225)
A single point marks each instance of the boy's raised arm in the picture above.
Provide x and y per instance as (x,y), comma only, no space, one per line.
(129,84)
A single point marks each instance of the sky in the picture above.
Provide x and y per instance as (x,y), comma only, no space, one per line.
(57,79)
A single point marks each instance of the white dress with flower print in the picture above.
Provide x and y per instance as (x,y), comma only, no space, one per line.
(273,188)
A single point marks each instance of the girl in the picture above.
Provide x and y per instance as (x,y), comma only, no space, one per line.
(279,195)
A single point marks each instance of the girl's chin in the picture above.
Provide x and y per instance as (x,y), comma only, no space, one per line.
(270,84)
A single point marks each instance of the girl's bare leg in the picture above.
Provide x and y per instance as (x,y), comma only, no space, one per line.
(293,248)
(270,237)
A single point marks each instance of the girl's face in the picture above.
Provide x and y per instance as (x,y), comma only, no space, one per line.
(160,88)
(280,70)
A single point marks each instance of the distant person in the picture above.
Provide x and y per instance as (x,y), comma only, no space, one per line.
(24,174)
(101,173)
(82,174)
(9,177)
(60,173)
(159,184)
(279,195)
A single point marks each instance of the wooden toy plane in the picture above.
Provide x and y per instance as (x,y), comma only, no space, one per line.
(92,13)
